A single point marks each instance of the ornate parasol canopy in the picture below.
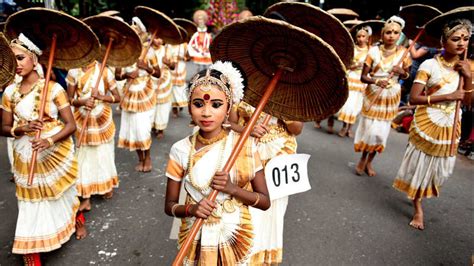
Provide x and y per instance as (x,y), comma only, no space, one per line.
(76,45)
(188,25)
(376,26)
(435,26)
(7,62)
(126,47)
(184,34)
(318,22)
(109,13)
(343,13)
(351,23)
(315,84)
(416,16)
(164,26)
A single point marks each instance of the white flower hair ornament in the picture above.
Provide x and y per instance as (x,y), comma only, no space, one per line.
(234,76)
(138,22)
(396,19)
(22,40)
(368,29)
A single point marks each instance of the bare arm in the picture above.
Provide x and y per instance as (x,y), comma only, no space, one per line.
(261,201)
(365,75)
(418,53)
(417,96)
(258,131)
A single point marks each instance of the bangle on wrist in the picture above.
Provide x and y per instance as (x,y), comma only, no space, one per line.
(50,141)
(376,82)
(256,200)
(12,131)
(173,209)
(406,76)
(429,98)
(113,98)
(186,211)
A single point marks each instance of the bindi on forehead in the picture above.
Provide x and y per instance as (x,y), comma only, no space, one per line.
(206,97)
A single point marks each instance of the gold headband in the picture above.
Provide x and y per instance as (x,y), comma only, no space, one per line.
(463,24)
(16,44)
(208,80)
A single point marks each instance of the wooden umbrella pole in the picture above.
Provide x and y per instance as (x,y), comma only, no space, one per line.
(94,91)
(267,119)
(398,64)
(177,60)
(153,35)
(230,162)
(44,94)
(452,150)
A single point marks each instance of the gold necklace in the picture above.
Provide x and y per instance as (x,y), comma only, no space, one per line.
(213,140)
(202,188)
(450,75)
(388,51)
(446,63)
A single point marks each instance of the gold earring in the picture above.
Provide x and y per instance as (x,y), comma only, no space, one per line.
(226,123)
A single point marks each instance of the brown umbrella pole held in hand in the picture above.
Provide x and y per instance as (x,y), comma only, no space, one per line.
(142,57)
(398,64)
(94,91)
(44,94)
(230,163)
(452,150)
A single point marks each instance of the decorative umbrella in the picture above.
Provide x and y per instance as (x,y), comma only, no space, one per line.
(121,47)
(351,23)
(126,47)
(159,24)
(188,25)
(343,13)
(376,26)
(291,61)
(110,13)
(416,16)
(184,34)
(76,44)
(318,22)
(7,62)
(434,28)
(70,44)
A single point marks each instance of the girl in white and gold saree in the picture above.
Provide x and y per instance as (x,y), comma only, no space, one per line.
(427,163)
(351,109)
(227,235)
(374,125)
(276,138)
(177,55)
(96,155)
(163,89)
(46,209)
(138,102)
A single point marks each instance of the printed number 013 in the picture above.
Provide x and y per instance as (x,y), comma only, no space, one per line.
(276,174)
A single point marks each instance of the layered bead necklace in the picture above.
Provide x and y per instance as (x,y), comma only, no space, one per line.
(221,136)
(447,73)
(384,54)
